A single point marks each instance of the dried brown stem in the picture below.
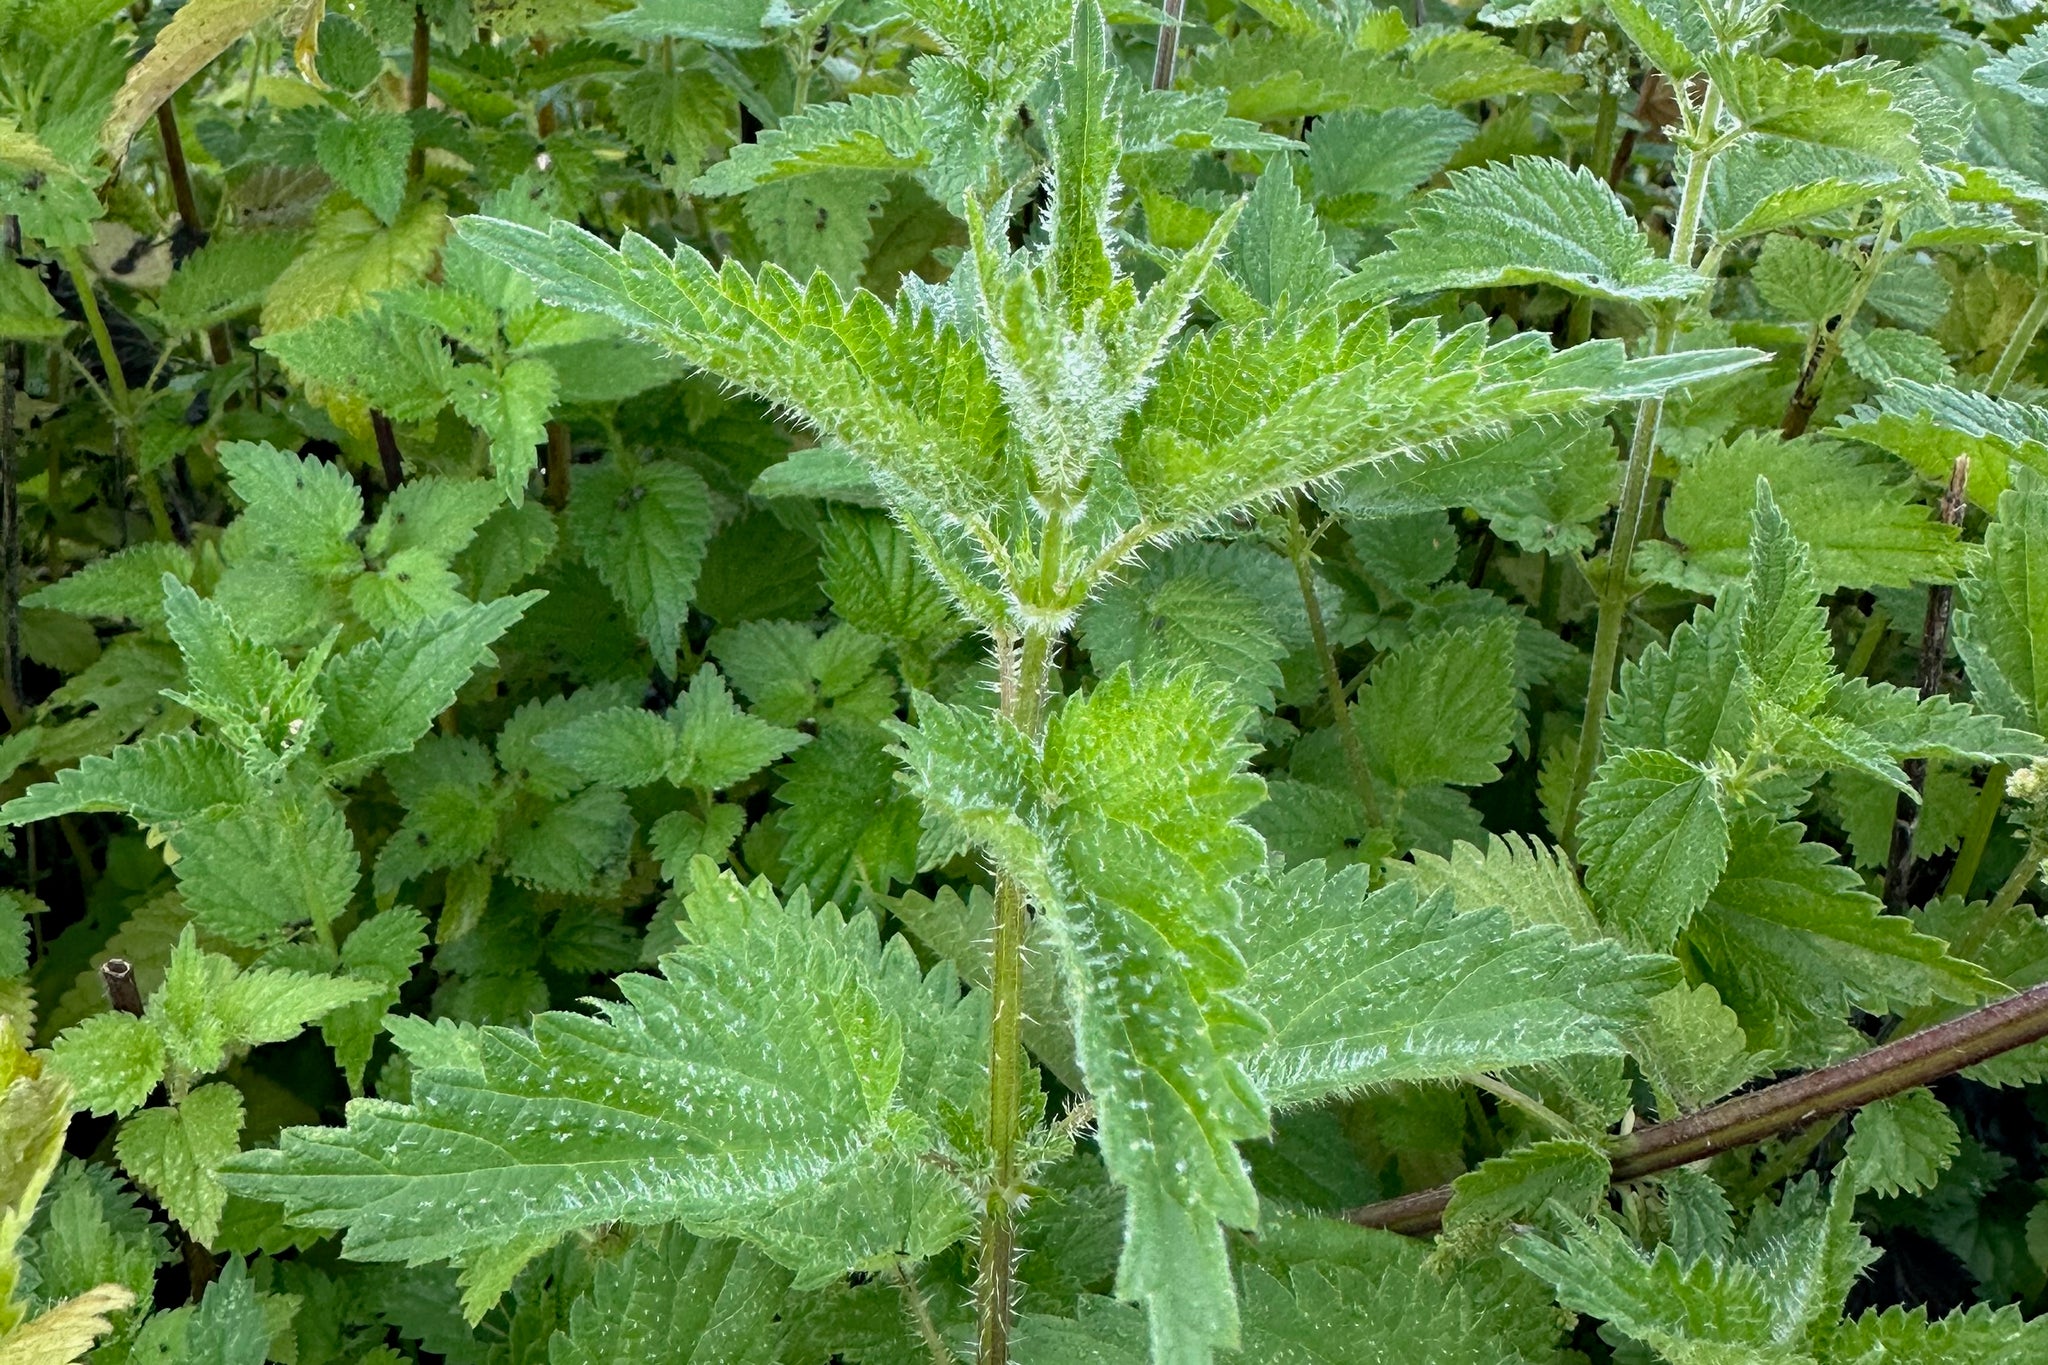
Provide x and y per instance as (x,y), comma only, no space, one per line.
(117,975)
(1880,1073)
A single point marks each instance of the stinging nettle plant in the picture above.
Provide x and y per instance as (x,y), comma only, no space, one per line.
(1032,425)
(1054,956)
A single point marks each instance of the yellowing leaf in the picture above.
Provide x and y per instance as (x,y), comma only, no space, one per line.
(197,34)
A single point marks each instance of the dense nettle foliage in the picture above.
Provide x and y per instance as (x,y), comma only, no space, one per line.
(778,682)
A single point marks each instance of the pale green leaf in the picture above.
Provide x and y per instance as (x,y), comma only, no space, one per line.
(1654,839)
(383,694)
(1862,528)
(765,1086)
(112,1060)
(1367,989)
(1441,708)
(176,1153)
(1531,221)
(365,154)
(1901,1145)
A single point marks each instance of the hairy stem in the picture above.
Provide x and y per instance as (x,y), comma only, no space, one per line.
(1826,342)
(1333,681)
(1024,682)
(2022,877)
(1880,1073)
(1615,589)
(921,1315)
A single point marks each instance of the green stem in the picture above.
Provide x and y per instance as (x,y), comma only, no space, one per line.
(102,340)
(2022,877)
(1528,1104)
(1333,680)
(1022,697)
(1615,591)
(921,1315)
(120,402)
(1983,817)
(2022,337)
(1580,327)
(1867,643)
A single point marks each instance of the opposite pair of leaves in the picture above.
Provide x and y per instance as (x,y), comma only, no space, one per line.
(206,1010)
(1405,992)
(1227,424)
(1753,676)
(775,1083)
(294,566)
(705,742)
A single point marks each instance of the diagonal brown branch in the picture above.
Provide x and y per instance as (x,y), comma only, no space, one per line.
(1880,1073)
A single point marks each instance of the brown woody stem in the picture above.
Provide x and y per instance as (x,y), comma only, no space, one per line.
(180,175)
(1880,1073)
(1169,44)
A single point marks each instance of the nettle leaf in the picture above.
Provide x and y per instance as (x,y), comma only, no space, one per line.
(705,742)
(1441,708)
(644,528)
(1533,882)
(2003,614)
(1364,988)
(112,1060)
(1530,221)
(1231,610)
(1803,280)
(1840,107)
(382,695)
(1783,628)
(365,154)
(1790,931)
(162,781)
(864,133)
(772,1084)
(250,873)
(1928,426)
(674,1299)
(1148,844)
(1862,528)
(1362,162)
(1654,838)
(176,1154)
(1242,412)
(1901,1145)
